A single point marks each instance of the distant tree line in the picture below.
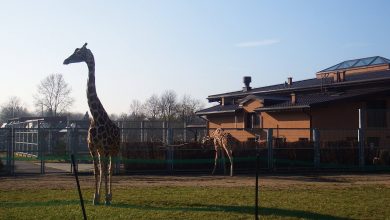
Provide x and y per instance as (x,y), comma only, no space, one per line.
(165,107)
(53,98)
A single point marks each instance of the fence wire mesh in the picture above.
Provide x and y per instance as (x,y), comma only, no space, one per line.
(168,150)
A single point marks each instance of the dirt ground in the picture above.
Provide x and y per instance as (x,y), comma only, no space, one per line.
(67,181)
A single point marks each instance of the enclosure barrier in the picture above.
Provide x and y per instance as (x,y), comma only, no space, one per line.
(179,150)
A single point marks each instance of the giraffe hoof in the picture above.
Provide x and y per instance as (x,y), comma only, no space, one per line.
(96,199)
(108,199)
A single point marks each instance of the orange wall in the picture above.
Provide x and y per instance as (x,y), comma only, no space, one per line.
(288,125)
(338,121)
(225,121)
(250,106)
(337,115)
(285,119)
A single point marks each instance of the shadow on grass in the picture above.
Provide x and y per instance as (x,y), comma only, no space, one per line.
(263,211)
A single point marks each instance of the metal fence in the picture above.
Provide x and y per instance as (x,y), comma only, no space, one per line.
(178,150)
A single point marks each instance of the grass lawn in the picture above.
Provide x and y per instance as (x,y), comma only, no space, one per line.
(200,202)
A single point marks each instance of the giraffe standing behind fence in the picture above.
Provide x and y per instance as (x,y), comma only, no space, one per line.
(103,134)
(222,140)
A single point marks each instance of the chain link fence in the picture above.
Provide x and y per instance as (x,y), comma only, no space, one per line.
(179,150)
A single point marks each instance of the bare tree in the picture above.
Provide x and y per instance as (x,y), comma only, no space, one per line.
(187,108)
(168,105)
(137,110)
(12,108)
(152,107)
(53,95)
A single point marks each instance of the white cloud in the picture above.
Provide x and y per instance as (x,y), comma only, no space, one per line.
(259,43)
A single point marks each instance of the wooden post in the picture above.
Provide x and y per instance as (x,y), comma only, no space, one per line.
(78,186)
(316,143)
(270,149)
(257,184)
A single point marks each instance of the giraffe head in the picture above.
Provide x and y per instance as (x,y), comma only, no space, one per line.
(205,140)
(80,55)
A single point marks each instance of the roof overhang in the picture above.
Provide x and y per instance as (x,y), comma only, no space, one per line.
(279,109)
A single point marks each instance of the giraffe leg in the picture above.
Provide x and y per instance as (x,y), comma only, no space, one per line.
(105,174)
(229,154)
(96,196)
(215,161)
(109,195)
(223,161)
(101,166)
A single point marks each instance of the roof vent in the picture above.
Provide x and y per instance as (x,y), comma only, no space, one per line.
(247,82)
(289,81)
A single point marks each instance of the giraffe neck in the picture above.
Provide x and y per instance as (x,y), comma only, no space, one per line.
(95,106)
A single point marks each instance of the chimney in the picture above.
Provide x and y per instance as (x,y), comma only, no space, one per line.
(293,98)
(289,81)
(247,82)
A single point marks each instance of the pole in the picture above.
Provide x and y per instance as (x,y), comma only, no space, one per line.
(78,187)
(257,186)
(361,137)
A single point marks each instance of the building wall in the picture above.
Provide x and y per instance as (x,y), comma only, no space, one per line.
(337,121)
(251,105)
(229,124)
(340,121)
(355,71)
(288,125)
(340,115)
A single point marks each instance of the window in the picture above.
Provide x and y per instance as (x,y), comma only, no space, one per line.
(376,114)
(252,120)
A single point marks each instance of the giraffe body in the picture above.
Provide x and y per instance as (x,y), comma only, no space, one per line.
(103,134)
(222,140)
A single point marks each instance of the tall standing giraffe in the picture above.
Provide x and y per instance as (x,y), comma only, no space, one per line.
(103,134)
(222,140)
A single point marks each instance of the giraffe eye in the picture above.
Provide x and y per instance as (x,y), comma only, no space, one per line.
(77,49)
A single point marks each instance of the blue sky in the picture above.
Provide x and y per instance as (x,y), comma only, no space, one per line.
(193,47)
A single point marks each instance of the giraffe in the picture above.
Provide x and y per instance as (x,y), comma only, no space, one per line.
(103,134)
(221,140)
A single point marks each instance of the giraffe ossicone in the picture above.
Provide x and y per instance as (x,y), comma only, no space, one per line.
(103,134)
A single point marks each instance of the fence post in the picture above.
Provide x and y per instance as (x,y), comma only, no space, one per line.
(142,131)
(316,143)
(164,132)
(185,132)
(73,149)
(169,150)
(10,153)
(41,145)
(270,150)
(361,137)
